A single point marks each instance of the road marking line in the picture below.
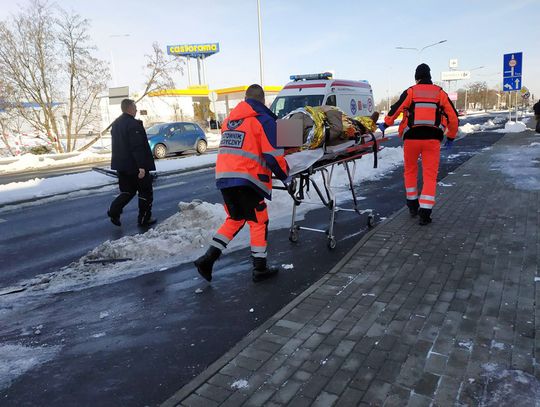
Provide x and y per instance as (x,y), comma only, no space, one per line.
(174,184)
(3,220)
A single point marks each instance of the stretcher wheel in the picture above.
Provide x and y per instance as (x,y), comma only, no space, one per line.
(293,234)
(371,220)
(331,243)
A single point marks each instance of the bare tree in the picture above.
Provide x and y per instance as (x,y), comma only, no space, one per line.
(159,69)
(49,72)
(86,76)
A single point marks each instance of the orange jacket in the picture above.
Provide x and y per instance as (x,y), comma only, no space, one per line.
(427,113)
(247,153)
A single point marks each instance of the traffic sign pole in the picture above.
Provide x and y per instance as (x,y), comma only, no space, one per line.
(512,81)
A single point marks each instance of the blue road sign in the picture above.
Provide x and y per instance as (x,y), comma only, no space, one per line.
(512,64)
(512,83)
(512,67)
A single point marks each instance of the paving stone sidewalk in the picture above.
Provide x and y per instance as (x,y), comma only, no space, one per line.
(438,315)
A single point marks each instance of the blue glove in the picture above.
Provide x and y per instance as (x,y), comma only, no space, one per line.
(382,127)
(448,145)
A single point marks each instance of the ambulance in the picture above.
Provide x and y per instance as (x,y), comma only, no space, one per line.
(354,98)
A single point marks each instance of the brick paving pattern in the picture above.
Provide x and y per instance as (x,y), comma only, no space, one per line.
(416,315)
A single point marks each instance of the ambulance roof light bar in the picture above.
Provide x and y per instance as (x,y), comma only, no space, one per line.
(311,76)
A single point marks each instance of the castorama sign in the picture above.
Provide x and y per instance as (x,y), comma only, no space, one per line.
(194,50)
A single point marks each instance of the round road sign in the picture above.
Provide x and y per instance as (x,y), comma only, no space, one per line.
(212,96)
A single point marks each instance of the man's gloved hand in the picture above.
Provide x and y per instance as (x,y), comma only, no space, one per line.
(382,127)
(448,145)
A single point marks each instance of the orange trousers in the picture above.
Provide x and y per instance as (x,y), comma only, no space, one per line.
(429,151)
(243,204)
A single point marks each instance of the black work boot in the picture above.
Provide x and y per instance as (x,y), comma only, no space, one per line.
(413,206)
(146,222)
(205,263)
(114,219)
(261,271)
(425,216)
(145,219)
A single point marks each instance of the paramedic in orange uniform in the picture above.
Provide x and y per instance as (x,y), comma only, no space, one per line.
(427,113)
(246,159)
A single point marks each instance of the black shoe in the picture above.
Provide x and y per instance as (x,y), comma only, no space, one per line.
(147,222)
(114,219)
(260,275)
(425,216)
(205,263)
(413,206)
(261,271)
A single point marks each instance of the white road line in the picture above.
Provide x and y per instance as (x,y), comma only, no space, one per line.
(174,184)
(3,220)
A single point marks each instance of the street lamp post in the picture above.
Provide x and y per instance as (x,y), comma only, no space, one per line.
(419,50)
(261,66)
(115,79)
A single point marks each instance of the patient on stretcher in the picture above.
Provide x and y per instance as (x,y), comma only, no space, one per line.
(327,131)
(325,126)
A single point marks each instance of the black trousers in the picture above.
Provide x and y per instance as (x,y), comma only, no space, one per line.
(129,185)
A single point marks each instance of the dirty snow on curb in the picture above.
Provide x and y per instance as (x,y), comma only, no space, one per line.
(509,387)
(184,236)
(522,167)
(16,360)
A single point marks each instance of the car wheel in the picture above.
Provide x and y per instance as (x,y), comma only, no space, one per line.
(160,151)
(201,146)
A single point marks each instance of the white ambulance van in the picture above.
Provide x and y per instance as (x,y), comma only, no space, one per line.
(354,98)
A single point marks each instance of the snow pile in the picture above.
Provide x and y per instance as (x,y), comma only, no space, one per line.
(184,236)
(33,162)
(513,127)
(22,143)
(469,128)
(16,360)
(522,167)
(509,387)
(187,231)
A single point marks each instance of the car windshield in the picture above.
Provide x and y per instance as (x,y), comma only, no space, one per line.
(154,130)
(283,105)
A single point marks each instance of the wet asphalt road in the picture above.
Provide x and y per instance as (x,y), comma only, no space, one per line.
(158,333)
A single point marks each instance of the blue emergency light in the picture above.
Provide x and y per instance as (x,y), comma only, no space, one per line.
(311,76)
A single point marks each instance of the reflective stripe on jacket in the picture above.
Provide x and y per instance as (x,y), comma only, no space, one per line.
(247,154)
(427,113)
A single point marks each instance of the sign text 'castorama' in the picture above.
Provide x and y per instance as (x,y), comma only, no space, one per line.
(193,50)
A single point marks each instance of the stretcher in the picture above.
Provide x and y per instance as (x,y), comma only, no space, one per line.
(323,161)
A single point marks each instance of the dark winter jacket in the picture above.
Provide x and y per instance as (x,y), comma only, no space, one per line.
(536,108)
(130,148)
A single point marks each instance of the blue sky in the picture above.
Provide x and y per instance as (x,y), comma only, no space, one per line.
(356,39)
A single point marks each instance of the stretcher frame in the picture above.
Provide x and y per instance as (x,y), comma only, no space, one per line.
(301,181)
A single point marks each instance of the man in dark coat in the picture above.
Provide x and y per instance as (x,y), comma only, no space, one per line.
(133,161)
(536,108)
